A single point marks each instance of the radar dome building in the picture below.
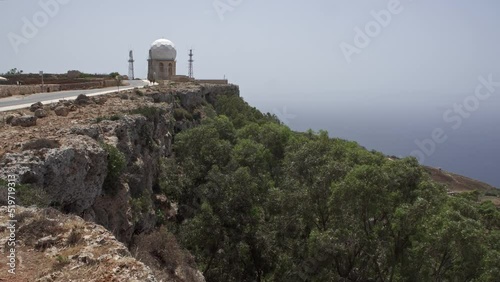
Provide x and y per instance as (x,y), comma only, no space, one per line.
(161,62)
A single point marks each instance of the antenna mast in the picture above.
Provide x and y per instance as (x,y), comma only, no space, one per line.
(131,65)
(191,74)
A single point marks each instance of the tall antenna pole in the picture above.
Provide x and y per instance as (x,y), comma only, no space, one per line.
(191,72)
(131,65)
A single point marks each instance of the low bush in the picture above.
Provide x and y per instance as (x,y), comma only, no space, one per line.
(116,165)
(38,228)
(139,92)
(149,112)
(182,114)
(103,118)
(74,237)
(161,250)
(29,195)
(26,195)
(61,262)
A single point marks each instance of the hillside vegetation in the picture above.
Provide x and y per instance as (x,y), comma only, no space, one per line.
(259,202)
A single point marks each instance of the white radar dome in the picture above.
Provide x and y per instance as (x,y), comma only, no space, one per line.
(163,49)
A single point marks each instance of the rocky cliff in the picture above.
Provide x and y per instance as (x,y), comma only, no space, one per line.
(101,159)
(52,246)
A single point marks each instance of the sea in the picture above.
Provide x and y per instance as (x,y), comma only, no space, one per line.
(459,133)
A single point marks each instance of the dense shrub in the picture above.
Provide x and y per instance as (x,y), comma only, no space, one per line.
(116,165)
(258,202)
(182,114)
(103,118)
(151,113)
(30,195)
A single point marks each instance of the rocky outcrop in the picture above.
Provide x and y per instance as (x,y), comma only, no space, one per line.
(72,175)
(52,246)
(74,170)
(61,111)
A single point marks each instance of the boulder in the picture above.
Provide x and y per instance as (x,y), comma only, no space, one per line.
(41,113)
(24,121)
(9,119)
(83,99)
(61,111)
(66,103)
(36,106)
(100,100)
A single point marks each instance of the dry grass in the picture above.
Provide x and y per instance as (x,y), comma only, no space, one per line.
(75,237)
(160,251)
(39,228)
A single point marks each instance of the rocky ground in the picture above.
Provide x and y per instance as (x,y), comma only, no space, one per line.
(52,246)
(54,121)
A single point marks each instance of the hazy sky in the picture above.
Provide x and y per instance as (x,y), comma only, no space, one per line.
(267,46)
(408,62)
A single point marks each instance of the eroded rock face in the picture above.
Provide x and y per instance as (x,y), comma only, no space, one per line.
(71,165)
(143,142)
(72,175)
(57,247)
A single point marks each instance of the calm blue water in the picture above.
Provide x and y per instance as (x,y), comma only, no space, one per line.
(392,124)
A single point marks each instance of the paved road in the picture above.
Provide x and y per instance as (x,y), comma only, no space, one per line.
(24,101)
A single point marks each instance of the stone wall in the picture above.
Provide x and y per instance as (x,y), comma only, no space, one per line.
(12,90)
(212,81)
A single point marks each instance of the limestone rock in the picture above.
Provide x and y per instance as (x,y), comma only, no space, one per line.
(82,99)
(9,119)
(72,175)
(51,258)
(24,121)
(100,100)
(61,111)
(41,113)
(91,131)
(45,242)
(36,106)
